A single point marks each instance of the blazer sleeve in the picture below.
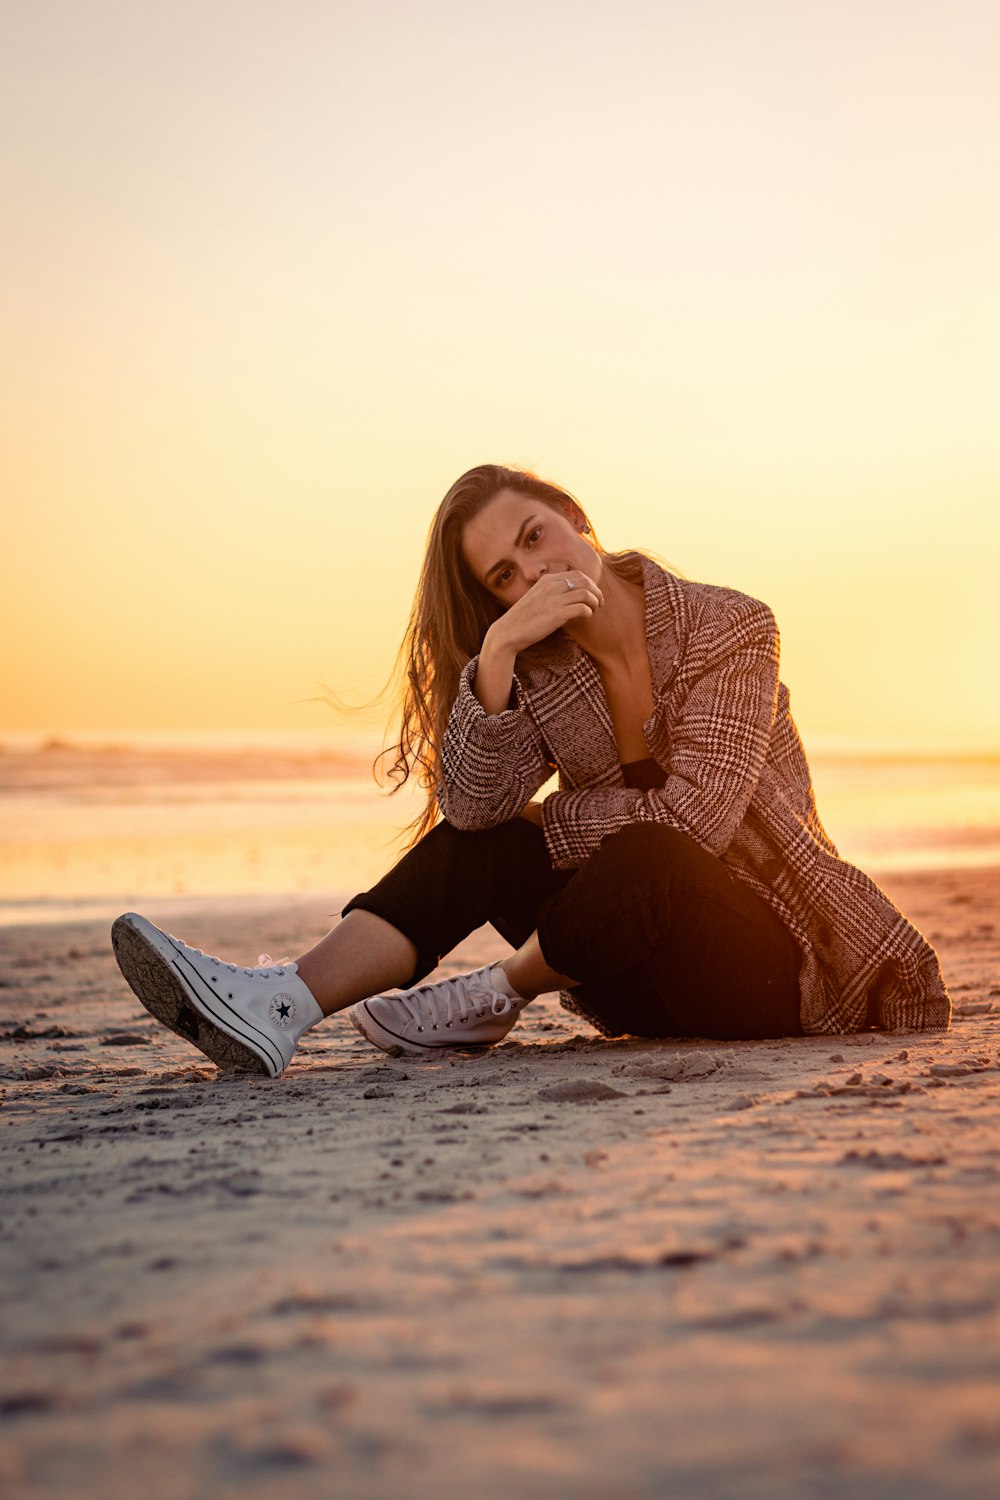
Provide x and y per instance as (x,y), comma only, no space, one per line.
(718,740)
(491,764)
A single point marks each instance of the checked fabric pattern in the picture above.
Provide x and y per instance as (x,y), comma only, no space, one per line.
(737,782)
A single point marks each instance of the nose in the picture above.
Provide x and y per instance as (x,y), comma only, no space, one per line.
(536,571)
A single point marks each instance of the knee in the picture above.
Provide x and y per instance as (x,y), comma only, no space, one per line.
(618,902)
(653,854)
(446,834)
(512,839)
(639,843)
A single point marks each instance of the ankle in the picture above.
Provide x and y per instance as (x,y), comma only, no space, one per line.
(506,984)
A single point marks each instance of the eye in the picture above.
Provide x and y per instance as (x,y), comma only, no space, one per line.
(504,578)
(533,536)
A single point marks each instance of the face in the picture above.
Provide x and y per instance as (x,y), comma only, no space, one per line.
(516,538)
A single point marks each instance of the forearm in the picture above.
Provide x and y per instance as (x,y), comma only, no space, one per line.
(492,763)
(494,674)
(493,684)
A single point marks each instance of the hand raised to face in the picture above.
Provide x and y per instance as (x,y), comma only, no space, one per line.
(536,560)
(552,602)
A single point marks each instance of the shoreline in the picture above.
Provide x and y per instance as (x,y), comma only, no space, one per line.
(566,1267)
(912,866)
(90,832)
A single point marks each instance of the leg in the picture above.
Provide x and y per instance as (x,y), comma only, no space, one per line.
(448,885)
(252,1018)
(365,954)
(445,887)
(666,940)
(360,956)
(530,974)
(669,943)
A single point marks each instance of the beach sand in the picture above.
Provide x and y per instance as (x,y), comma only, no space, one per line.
(567,1267)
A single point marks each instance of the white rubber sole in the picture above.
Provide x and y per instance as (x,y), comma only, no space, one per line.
(362,1019)
(165,981)
(373,1031)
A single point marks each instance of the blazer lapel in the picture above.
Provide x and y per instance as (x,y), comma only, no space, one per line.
(568,703)
(666,630)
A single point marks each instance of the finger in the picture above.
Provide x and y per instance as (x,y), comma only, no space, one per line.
(586,583)
(575,580)
(586,589)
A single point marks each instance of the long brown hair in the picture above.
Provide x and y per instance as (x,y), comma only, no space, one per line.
(452,611)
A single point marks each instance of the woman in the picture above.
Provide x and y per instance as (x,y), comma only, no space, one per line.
(679,882)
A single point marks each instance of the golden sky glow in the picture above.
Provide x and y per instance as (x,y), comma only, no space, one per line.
(275,274)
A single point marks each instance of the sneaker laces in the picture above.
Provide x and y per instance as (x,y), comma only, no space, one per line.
(272,966)
(266,967)
(450,1000)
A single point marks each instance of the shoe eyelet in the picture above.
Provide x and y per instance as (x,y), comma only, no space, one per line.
(420,1028)
(230,997)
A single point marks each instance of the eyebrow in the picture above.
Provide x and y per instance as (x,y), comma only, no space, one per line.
(505,562)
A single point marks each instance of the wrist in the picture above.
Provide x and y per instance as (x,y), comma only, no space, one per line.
(495,649)
(494,675)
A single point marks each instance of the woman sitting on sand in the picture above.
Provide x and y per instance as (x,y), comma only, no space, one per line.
(679,882)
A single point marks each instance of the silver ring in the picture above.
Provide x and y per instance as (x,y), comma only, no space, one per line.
(570,585)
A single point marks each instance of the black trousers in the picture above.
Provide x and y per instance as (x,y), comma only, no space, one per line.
(662,939)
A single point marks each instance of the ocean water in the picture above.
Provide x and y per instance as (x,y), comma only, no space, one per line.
(91,825)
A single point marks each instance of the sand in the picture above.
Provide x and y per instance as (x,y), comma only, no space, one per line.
(567,1267)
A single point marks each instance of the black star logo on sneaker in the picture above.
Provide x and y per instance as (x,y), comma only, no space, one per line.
(281,1011)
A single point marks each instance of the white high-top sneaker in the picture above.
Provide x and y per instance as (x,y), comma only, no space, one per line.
(470,1010)
(243,1019)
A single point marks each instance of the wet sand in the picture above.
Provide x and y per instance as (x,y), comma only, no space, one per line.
(564,1268)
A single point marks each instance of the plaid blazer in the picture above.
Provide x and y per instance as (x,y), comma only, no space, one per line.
(737,781)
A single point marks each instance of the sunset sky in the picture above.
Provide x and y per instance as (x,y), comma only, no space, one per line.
(275,274)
